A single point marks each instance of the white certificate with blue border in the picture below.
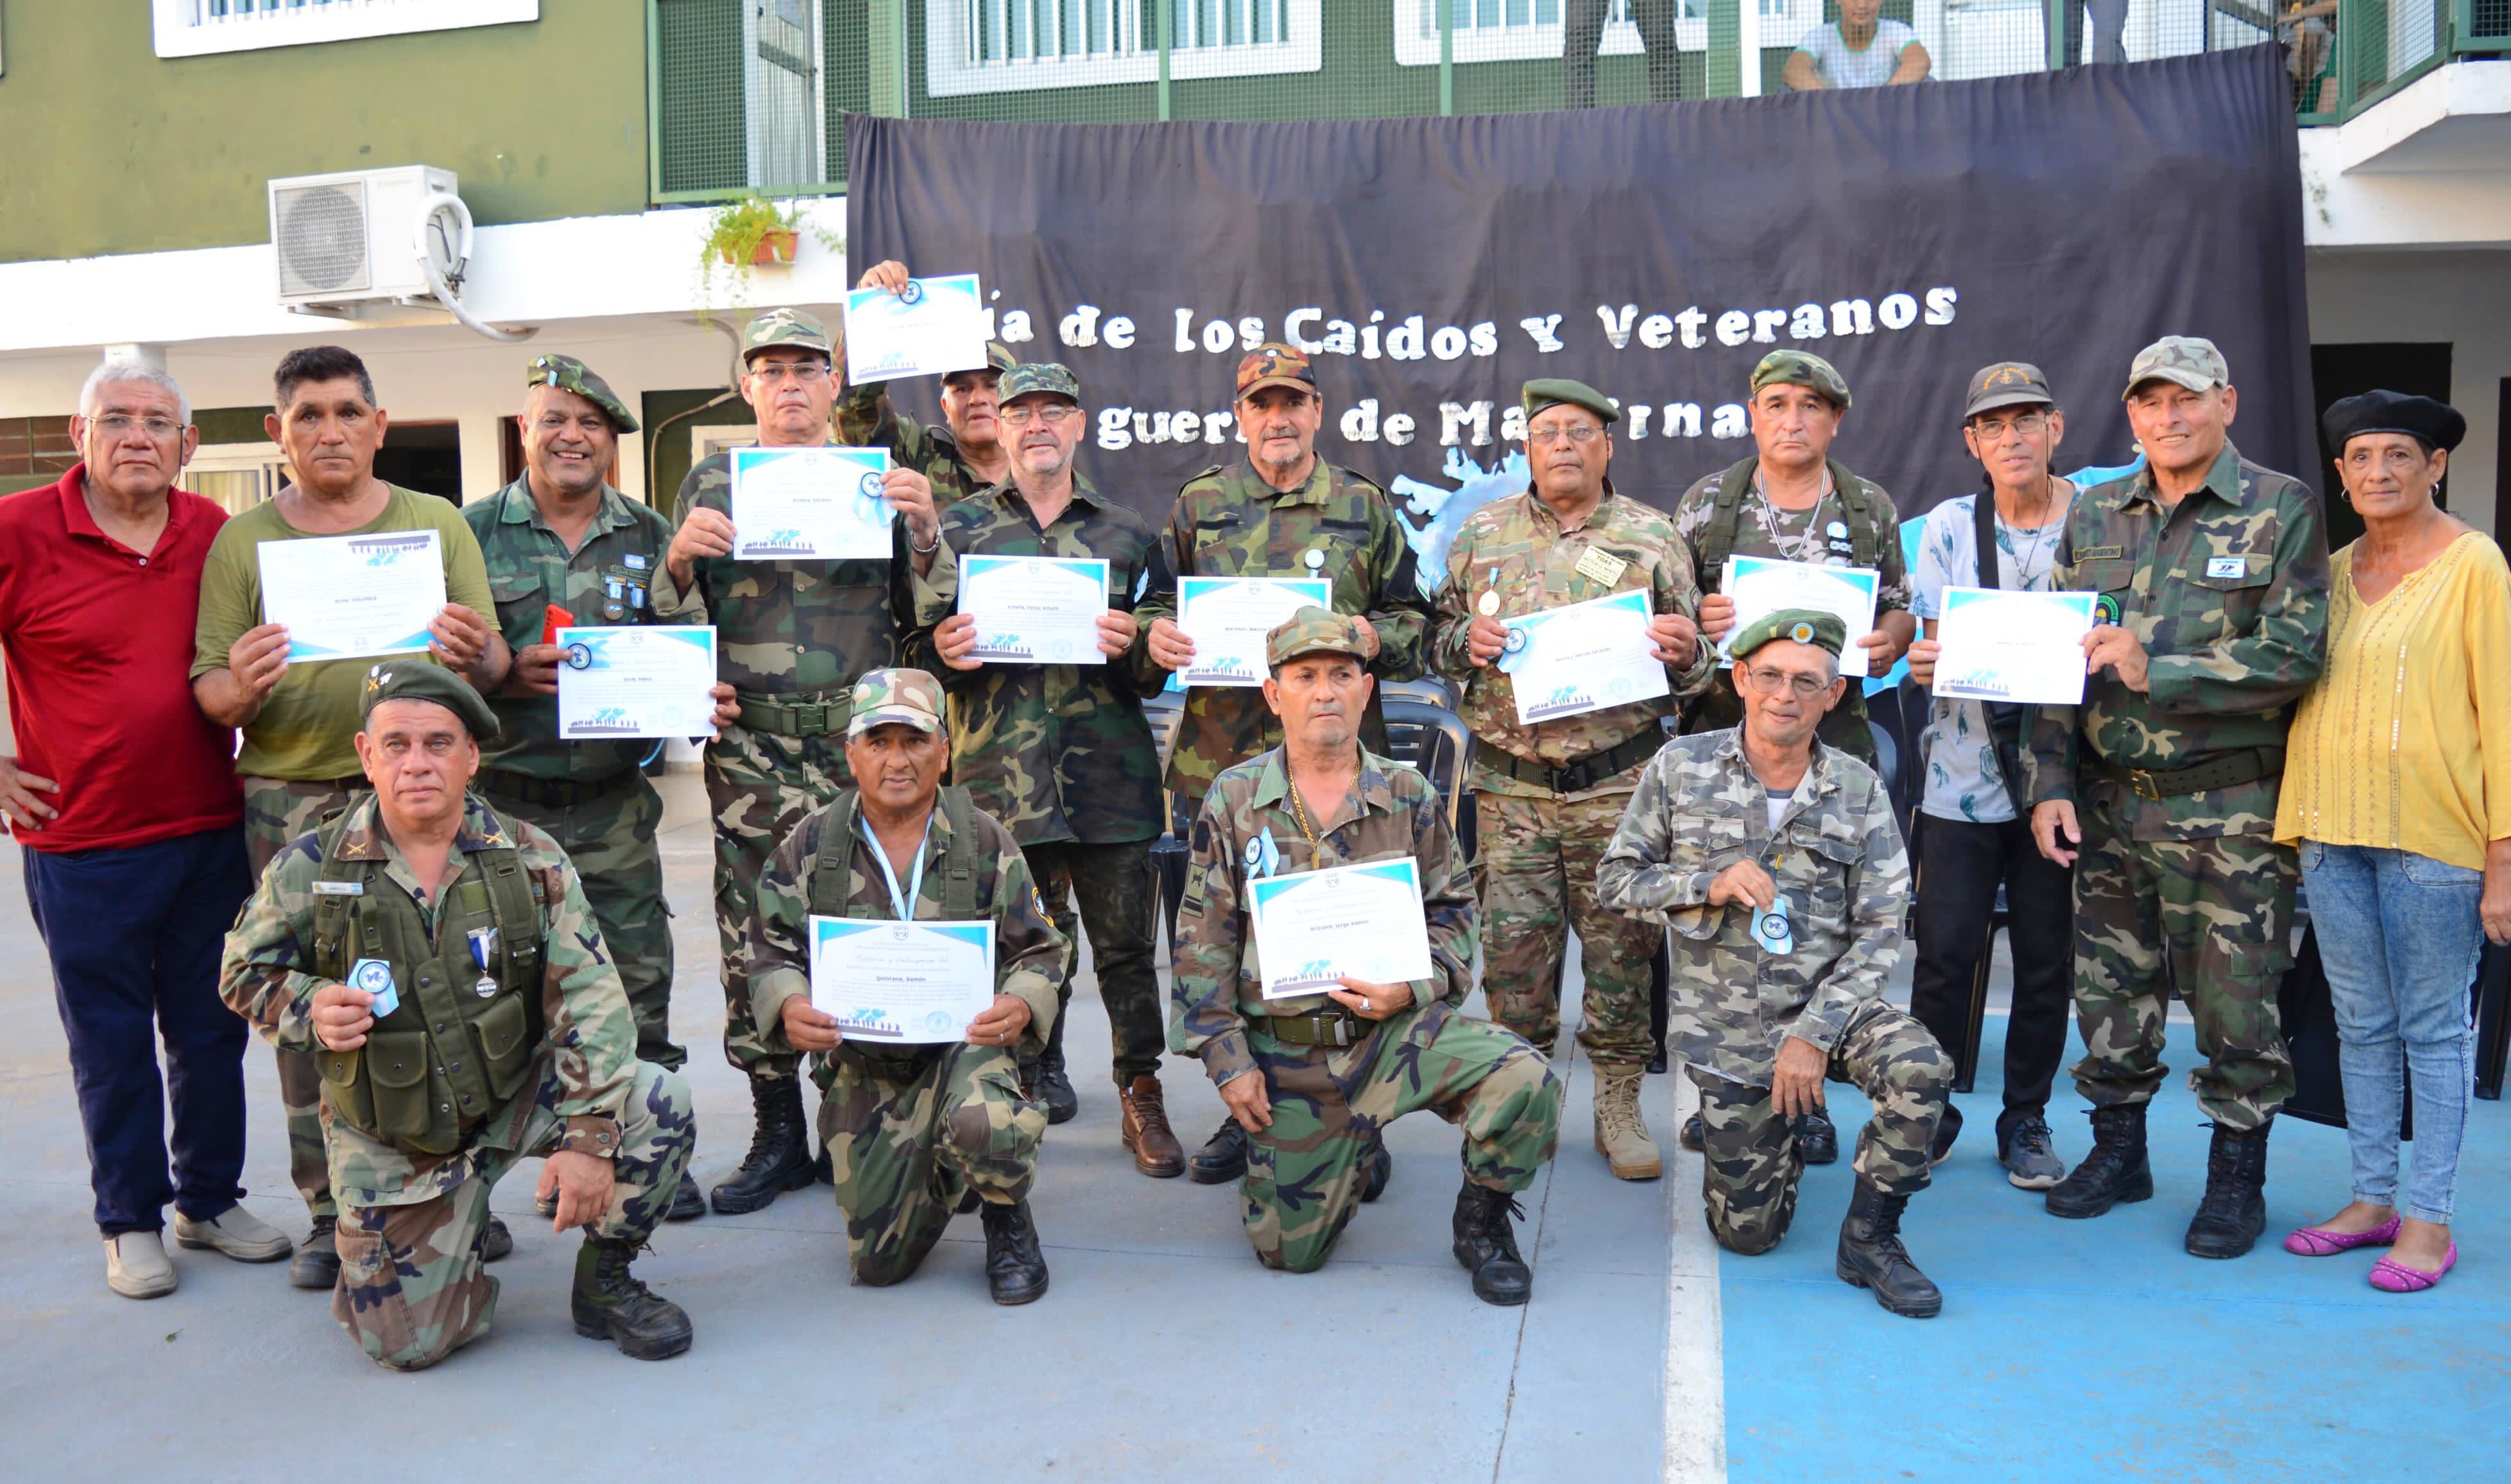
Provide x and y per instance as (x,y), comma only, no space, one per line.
(1313,927)
(937,326)
(353,596)
(641,680)
(810,505)
(1583,657)
(1228,617)
(1761,586)
(1034,610)
(905,984)
(2026,648)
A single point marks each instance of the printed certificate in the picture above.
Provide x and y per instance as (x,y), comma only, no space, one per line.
(1760,584)
(2026,648)
(810,505)
(936,327)
(906,983)
(345,596)
(1034,610)
(1316,927)
(1583,657)
(644,680)
(1228,617)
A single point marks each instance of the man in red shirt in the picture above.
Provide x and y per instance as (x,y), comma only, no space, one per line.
(124,800)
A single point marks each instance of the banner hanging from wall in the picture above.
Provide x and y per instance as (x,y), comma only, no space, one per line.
(1432,265)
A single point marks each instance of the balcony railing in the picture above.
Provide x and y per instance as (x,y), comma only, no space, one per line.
(752,95)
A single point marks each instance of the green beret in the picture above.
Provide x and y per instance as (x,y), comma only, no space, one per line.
(1553,391)
(1039,378)
(1802,368)
(1804,626)
(1312,630)
(414,677)
(568,374)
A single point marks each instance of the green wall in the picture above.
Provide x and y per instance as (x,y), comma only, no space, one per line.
(111,149)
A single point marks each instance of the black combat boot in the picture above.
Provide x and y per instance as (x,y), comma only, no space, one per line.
(1948,1128)
(1694,1136)
(780,1155)
(496,1241)
(1817,1138)
(1872,1257)
(688,1202)
(1486,1245)
(1222,1157)
(2234,1210)
(2115,1171)
(1053,1086)
(317,1263)
(610,1304)
(1015,1268)
(1381,1169)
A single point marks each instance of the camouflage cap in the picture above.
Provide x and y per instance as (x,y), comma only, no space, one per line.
(1312,630)
(409,677)
(789,327)
(2007,384)
(1275,364)
(908,696)
(1556,390)
(1803,625)
(1802,368)
(568,374)
(998,358)
(1040,378)
(2186,360)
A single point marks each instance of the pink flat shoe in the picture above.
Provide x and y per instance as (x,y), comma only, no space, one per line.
(2317,1241)
(2391,1276)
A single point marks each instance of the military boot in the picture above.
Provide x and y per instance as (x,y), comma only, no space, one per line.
(1872,1257)
(2234,1208)
(495,1240)
(1486,1245)
(1015,1268)
(611,1304)
(1382,1167)
(780,1155)
(1818,1138)
(1694,1136)
(317,1263)
(2115,1170)
(1621,1131)
(688,1202)
(1145,1132)
(1222,1157)
(1054,1085)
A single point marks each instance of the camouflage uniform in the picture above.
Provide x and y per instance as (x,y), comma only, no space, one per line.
(1229,522)
(1061,754)
(411,1289)
(1838,859)
(1304,1172)
(866,419)
(592,797)
(2228,590)
(911,1130)
(1539,842)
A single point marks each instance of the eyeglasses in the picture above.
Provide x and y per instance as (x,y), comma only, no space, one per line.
(1992,430)
(122,425)
(1769,682)
(1054,414)
(801,372)
(1582,435)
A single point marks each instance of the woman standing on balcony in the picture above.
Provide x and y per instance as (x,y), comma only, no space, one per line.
(2398,788)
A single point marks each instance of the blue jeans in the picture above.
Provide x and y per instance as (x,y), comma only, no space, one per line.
(2400,936)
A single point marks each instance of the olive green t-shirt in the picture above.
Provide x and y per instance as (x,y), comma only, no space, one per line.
(305,725)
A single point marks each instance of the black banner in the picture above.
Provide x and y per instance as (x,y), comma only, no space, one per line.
(1432,265)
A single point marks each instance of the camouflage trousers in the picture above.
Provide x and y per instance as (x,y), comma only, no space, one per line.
(1303,1172)
(1536,875)
(1117,891)
(276,811)
(905,1149)
(412,1288)
(1752,1161)
(611,841)
(759,784)
(2213,917)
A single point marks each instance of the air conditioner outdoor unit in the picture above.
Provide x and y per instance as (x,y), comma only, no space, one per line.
(364,237)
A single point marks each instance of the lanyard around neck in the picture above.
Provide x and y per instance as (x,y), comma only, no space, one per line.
(903,902)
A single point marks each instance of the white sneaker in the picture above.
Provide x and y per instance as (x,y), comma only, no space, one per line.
(237,1232)
(135,1266)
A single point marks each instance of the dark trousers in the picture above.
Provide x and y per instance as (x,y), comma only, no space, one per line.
(134,936)
(1583,30)
(1116,890)
(1960,866)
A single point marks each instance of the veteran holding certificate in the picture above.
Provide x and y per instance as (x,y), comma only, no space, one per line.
(1548,792)
(912,1127)
(1312,1078)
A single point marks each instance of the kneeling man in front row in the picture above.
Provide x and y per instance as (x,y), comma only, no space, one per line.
(914,1133)
(443,967)
(1314,1077)
(1776,861)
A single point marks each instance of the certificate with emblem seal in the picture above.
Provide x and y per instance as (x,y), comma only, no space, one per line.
(937,326)
(345,596)
(1034,610)
(1761,584)
(1582,656)
(1363,921)
(644,680)
(1228,617)
(906,983)
(2026,648)
(810,505)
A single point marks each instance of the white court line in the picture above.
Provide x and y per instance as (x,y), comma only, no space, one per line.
(1695,1363)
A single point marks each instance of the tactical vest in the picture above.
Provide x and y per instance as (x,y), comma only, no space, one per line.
(833,893)
(1717,540)
(449,1054)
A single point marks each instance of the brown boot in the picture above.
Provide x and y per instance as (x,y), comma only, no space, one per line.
(1156,1152)
(1621,1129)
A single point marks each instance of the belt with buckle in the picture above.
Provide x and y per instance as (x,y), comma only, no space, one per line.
(552,793)
(2247,766)
(789,718)
(1336,1027)
(1572,777)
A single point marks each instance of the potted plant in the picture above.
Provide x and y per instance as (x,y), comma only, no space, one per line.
(750,232)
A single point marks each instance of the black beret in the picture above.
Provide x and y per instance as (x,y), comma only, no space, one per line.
(2434,424)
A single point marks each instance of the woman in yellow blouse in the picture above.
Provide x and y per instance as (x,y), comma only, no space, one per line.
(2398,788)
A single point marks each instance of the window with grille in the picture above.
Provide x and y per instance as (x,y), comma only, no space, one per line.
(199,27)
(1524,31)
(1008,46)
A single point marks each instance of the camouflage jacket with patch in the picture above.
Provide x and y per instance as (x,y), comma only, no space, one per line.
(1802,535)
(776,954)
(1838,863)
(1054,751)
(607,580)
(1216,987)
(1516,546)
(2228,590)
(1229,522)
(591,1035)
(866,420)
